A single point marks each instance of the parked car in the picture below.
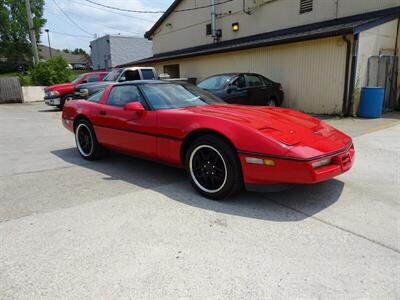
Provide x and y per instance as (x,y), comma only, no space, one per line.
(58,94)
(244,88)
(222,147)
(117,75)
(80,67)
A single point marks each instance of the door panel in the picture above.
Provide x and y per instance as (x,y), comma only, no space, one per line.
(123,130)
(257,89)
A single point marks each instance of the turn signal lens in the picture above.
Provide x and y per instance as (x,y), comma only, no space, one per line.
(269,162)
(259,161)
(321,163)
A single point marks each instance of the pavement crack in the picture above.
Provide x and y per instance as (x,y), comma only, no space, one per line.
(337,227)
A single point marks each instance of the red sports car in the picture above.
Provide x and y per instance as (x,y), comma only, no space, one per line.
(223,147)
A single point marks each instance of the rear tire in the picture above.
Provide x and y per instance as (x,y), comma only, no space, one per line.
(213,167)
(272,102)
(86,141)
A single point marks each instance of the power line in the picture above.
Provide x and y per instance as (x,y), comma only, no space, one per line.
(72,21)
(72,35)
(135,33)
(113,12)
(155,12)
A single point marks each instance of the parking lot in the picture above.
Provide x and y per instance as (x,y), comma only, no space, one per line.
(128,228)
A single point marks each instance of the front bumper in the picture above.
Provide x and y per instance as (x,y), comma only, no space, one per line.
(288,170)
(52,101)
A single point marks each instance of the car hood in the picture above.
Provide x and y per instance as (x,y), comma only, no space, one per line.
(96,84)
(60,86)
(289,127)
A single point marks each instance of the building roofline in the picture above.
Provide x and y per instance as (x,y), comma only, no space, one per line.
(347,25)
(165,15)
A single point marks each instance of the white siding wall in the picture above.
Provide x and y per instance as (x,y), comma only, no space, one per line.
(188,29)
(312,72)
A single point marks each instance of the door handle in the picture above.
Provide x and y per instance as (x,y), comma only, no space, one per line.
(103,112)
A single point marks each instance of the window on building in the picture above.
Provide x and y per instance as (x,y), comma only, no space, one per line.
(123,94)
(172,71)
(306,6)
(208,29)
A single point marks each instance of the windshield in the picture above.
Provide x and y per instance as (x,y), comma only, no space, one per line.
(215,82)
(113,76)
(78,78)
(170,95)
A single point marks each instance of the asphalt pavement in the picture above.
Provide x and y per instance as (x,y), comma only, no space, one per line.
(124,228)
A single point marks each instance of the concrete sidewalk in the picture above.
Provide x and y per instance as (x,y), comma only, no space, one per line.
(127,228)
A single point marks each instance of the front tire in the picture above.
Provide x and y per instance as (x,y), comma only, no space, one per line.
(86,141)
(213,167)
(65,99)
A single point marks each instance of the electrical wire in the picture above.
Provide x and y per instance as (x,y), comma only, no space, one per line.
(155,12)
(113,12)
(72,21)
(72,35)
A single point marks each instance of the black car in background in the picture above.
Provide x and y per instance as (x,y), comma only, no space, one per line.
(244,88)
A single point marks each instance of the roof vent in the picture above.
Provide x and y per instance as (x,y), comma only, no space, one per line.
(306,6)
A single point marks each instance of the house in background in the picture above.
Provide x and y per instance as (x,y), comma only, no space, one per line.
(320,50)
(75,60)
(112,50)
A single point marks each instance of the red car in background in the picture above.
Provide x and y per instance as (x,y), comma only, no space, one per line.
(223,147)
(58,94)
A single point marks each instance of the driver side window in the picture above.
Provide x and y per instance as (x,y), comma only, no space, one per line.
(239,82)
(123,94)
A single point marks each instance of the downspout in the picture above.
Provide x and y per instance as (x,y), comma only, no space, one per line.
(213,21)
(346,77)
(353,71)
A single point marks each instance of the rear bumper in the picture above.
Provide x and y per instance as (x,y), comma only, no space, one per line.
(288,170)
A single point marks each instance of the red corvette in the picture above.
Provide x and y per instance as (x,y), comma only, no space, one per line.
(223,147)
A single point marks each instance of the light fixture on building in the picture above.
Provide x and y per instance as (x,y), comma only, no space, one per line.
(235,26)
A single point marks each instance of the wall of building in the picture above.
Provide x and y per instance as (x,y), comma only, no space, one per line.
(188,29)
(376,41)
(127,49)
(311,73)
(100,53)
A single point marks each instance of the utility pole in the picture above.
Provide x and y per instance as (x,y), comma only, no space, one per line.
(32,33)
(48,38)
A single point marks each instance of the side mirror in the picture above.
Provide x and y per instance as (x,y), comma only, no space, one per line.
(123,78)
(134,106)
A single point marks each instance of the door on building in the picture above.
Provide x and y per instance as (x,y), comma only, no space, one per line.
(382,72)
(172,70)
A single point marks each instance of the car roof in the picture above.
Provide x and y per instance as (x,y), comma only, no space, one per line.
(136,82)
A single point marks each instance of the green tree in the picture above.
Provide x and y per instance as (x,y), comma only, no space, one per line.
(79,51)
(14,31)
(53,71)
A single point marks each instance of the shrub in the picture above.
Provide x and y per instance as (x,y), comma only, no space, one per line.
(54,71)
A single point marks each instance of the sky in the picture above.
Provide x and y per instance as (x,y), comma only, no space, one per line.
(89,20)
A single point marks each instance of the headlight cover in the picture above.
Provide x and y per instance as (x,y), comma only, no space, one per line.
(321,163)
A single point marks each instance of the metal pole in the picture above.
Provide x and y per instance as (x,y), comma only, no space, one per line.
(32,33)
(213,20)
(48,38)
